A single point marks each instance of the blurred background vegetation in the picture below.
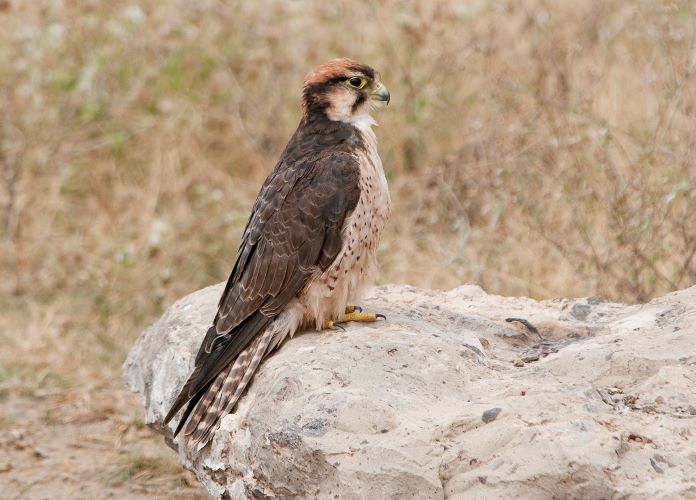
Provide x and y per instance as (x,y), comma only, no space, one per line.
(539,147)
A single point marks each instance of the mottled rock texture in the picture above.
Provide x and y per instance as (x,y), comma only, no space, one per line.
(460,394)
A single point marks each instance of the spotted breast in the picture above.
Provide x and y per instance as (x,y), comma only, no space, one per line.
(327,295)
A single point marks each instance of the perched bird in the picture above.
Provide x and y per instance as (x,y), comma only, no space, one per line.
(309,246)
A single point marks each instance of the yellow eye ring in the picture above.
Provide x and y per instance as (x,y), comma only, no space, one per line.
(356,82)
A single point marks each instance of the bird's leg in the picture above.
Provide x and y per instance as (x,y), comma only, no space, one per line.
(361,316)
(354,313)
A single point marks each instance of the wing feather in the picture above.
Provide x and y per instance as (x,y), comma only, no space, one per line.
(294,231)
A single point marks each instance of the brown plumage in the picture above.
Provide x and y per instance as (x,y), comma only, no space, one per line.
(319,212)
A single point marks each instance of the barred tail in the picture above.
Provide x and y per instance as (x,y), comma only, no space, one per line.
(225,391)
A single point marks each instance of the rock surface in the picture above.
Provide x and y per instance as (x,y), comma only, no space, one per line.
(450,398)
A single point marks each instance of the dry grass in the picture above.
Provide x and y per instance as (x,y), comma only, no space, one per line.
(540,147)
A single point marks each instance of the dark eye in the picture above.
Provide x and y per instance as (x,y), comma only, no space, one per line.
(356,82)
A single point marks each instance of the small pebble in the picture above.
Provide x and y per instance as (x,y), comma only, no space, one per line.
(580,311)
(490,415)
(657,468)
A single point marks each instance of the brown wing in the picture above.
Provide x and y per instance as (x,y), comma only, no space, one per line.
(294,230)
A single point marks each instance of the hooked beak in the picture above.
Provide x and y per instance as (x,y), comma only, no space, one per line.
(381,93)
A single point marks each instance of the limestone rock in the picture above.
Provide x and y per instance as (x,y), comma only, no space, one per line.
(459,394)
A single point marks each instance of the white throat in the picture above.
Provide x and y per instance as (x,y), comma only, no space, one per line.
(361,121)
(364,124)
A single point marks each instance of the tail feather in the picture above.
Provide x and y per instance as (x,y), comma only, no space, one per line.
(191,405)
(206,412)
(226,391)
(206,400)
(258,356)
(215,355)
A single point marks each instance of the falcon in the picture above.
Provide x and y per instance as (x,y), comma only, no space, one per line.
(308,249)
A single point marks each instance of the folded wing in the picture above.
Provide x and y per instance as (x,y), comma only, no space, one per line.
(295,231)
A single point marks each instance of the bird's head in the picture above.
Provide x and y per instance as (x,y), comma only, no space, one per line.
(343,90)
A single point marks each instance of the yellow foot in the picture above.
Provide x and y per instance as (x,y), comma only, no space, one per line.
(361,316)
(352,315)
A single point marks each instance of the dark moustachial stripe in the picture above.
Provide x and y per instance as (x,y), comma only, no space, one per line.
(359,102)
(313,94)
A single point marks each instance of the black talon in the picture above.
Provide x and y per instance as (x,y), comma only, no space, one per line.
(381,316)
(357,308)
(336,324)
